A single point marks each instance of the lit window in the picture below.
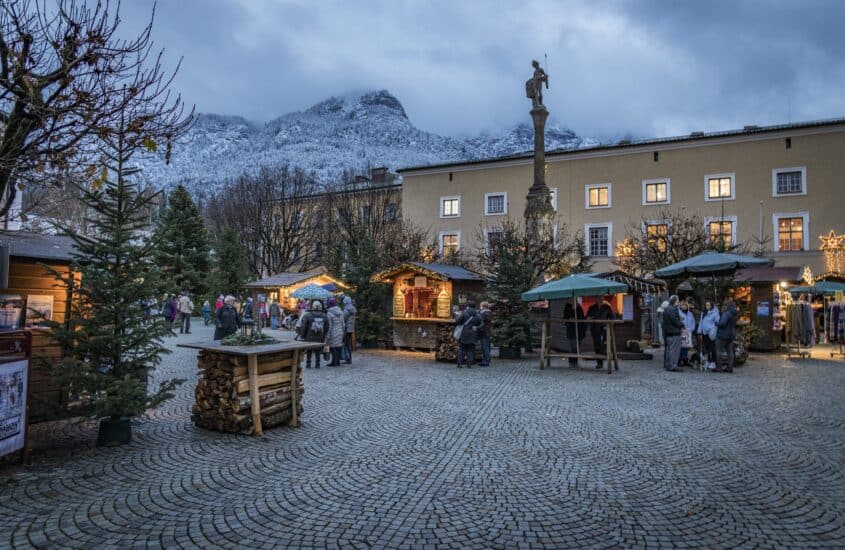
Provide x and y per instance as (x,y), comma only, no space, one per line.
(495,203)
(598,240)
(789,181)
(721,232)
(598,196)
(656,192)
(450,207)
(449,244)
(791,234)
(657,234)
(720,186)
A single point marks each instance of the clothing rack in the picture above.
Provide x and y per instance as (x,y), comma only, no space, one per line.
(800,330)
(834,326)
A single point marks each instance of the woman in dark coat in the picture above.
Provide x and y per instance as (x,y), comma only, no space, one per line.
(226,319)
(574,332)
(471,322)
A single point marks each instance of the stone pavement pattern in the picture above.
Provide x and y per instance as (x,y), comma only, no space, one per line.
(398,451)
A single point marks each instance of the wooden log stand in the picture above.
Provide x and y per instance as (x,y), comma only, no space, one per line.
(266,379)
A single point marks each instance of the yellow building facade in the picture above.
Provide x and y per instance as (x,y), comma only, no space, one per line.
(783,183)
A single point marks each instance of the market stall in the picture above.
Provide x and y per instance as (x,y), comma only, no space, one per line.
(832,318)
(245,389)
(423,296)
(281,286)
(572,288)
(767,298)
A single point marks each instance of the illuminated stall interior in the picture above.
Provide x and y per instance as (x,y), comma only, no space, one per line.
(281,285)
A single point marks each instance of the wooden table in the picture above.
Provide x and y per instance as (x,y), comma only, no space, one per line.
(610,354)
(267,366)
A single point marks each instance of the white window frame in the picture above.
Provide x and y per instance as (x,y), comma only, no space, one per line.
(553,193)
(708,177)
(610,244)
(597,186)
(448,233)
(668,182)
(732,219)
(776,171)
(443,210)
(806,223)
(487,204)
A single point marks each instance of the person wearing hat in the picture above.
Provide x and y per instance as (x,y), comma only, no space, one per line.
(314,328)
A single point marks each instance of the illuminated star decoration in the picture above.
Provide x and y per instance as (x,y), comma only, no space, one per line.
(834,252)
(832,241)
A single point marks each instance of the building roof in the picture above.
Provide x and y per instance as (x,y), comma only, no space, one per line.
(288,278)
(441,272)
(627,144)
(764,274)
(637,283)
(25,244)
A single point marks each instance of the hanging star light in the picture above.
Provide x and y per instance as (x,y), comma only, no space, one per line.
(833,246)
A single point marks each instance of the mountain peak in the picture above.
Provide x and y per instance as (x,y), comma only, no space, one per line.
(358,103)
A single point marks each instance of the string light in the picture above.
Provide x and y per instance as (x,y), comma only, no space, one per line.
(833,246)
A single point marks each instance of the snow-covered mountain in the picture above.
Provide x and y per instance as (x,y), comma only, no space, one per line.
(350,132)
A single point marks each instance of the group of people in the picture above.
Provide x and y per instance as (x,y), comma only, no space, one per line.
(473,326)
(331,325)
(177,308)
(575,332)
(714,330)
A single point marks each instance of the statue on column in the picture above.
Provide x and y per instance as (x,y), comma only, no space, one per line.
(534,85)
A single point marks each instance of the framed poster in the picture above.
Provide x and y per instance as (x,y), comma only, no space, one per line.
(420,281)
(39,308)
(627,307)
(13,389)
(11,311)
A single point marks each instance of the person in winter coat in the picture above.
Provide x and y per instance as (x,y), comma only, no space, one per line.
(672,326)
(226,320)
(314,328)
(684,310)
(174,300)
(574,332)
(349,315)
(186,308)
(725,334)
(471,323)
(485,332)
(167,311)
(246,314)
(206,313)
(706,325)
(218,303)
(600,310)
(337,331)
(275,314)
(660,311)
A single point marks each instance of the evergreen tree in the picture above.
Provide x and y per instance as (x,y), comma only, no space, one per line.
(231,267)
(182,249)
(109,347)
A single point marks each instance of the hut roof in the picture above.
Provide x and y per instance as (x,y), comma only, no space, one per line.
(766,274)
(440,272)
(25,244)
(287,278)
(637,283)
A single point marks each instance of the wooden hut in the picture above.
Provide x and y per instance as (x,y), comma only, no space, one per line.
(31,285)
(636,309)
(423,296)
(766,296)
(280,286)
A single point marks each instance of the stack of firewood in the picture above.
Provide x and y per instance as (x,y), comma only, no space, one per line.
(222,400)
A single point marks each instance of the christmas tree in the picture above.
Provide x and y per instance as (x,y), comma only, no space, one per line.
(231,268)
(182,250)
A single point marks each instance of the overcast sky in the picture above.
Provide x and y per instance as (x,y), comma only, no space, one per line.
(651,68)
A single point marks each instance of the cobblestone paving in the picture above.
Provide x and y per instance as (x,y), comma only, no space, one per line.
(398,451)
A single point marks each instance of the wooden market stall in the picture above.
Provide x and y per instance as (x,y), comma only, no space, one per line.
(280,286)
(767,297)
(246,389)
(30,285)
(423,296)
(571,288)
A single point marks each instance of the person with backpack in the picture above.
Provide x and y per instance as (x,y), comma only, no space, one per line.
(707,332)
(226,320)
(467,326)
(314,328)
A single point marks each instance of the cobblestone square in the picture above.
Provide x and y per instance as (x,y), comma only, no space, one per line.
(399,451)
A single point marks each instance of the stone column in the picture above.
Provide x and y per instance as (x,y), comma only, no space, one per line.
(538,206)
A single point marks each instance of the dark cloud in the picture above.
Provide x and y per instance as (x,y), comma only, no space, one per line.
(645,67)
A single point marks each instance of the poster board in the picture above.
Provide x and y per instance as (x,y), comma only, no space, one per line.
(39,308)
(628,307)
(13,392)
(11,311)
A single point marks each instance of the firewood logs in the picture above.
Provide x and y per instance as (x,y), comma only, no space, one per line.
(222,394)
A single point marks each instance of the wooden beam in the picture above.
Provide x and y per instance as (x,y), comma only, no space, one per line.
(261,380)
(252,363)
(294,391)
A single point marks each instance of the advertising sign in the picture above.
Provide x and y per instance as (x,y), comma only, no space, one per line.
(39,308)
(13,389)
(11,309)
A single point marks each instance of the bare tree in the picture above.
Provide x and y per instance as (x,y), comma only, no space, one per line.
(275,214)
(66,78)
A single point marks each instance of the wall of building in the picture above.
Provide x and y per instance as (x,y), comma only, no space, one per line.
(750,159)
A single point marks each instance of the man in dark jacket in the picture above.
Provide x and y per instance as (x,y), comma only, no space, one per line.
(314,328)
(672,326)
(725,334)
(574,331)
(226,319)
(471,322)
(599,311)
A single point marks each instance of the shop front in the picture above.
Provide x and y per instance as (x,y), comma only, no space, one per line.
(280,286)
(423,298)
(766,295)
